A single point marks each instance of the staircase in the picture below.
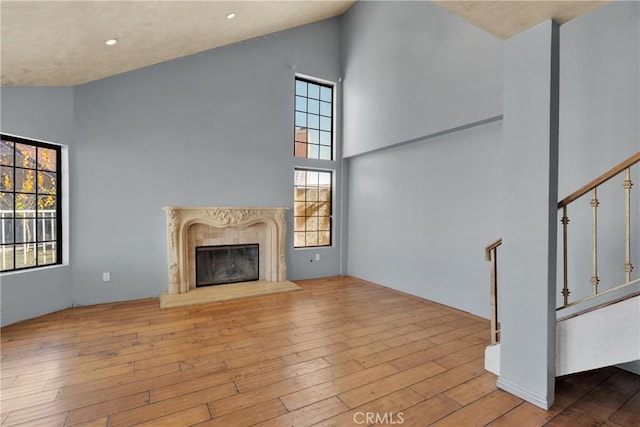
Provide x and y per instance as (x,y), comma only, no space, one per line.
(602,328)
(604,335)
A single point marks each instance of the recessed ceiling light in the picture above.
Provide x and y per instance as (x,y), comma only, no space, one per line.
(231,15)
(110,42)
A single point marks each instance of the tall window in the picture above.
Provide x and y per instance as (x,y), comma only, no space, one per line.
(30,220)
(312,208)
(313,137)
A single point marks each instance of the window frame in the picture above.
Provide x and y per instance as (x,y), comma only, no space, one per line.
(322,83)
(332,175)
(59,238)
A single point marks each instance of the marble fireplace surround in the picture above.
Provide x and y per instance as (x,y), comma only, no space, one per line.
(225,223)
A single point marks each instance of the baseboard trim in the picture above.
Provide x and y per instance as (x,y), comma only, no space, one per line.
(531,397)
(633,367)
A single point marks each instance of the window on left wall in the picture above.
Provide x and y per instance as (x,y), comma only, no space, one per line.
(30,194)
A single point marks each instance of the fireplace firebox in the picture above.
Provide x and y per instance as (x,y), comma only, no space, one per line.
(217,265)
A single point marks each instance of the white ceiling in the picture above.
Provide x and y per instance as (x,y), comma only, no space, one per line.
(507,18)
(61,43)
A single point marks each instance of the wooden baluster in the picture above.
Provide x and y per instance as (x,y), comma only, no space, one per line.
(594,241)
(565,223)
(627,184)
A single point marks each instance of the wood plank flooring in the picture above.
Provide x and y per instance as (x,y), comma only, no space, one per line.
(341,352)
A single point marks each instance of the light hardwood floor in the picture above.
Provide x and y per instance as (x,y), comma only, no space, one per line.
(328,355)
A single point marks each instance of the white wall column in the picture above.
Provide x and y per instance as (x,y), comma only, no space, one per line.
(528,255)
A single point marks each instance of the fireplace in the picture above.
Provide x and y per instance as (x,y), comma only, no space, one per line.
(192,227)
(222,264)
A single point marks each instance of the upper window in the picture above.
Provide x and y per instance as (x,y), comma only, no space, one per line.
(30,220)
(313,120)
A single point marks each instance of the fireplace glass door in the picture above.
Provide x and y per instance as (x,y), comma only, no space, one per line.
(217,265)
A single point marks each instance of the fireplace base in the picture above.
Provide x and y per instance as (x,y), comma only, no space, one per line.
(219,293)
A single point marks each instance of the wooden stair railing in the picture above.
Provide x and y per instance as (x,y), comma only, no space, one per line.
(622,168)
(491,255)
(491,251)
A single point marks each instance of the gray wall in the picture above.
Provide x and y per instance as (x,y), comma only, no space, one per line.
(420,211)
(412,69)
(172,134)
(45,114)
(599,127)
(421,214)
(212,129)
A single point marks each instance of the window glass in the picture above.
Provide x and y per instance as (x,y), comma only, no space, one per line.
(313,120)
(312,208)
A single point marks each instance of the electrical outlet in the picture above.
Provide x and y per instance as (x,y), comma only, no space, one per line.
(106,276)
(317,257)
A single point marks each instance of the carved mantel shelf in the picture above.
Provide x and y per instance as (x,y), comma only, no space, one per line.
(179,219)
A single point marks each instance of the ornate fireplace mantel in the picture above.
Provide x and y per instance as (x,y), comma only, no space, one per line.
(179,219)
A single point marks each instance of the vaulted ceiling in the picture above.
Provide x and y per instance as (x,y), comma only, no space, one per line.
(61,43)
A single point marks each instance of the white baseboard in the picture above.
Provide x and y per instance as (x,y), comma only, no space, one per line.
(537,399)
(492,359)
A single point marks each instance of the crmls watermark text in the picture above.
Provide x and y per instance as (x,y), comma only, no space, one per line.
(378,418)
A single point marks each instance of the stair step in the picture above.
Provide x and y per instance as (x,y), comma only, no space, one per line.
(607,336)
